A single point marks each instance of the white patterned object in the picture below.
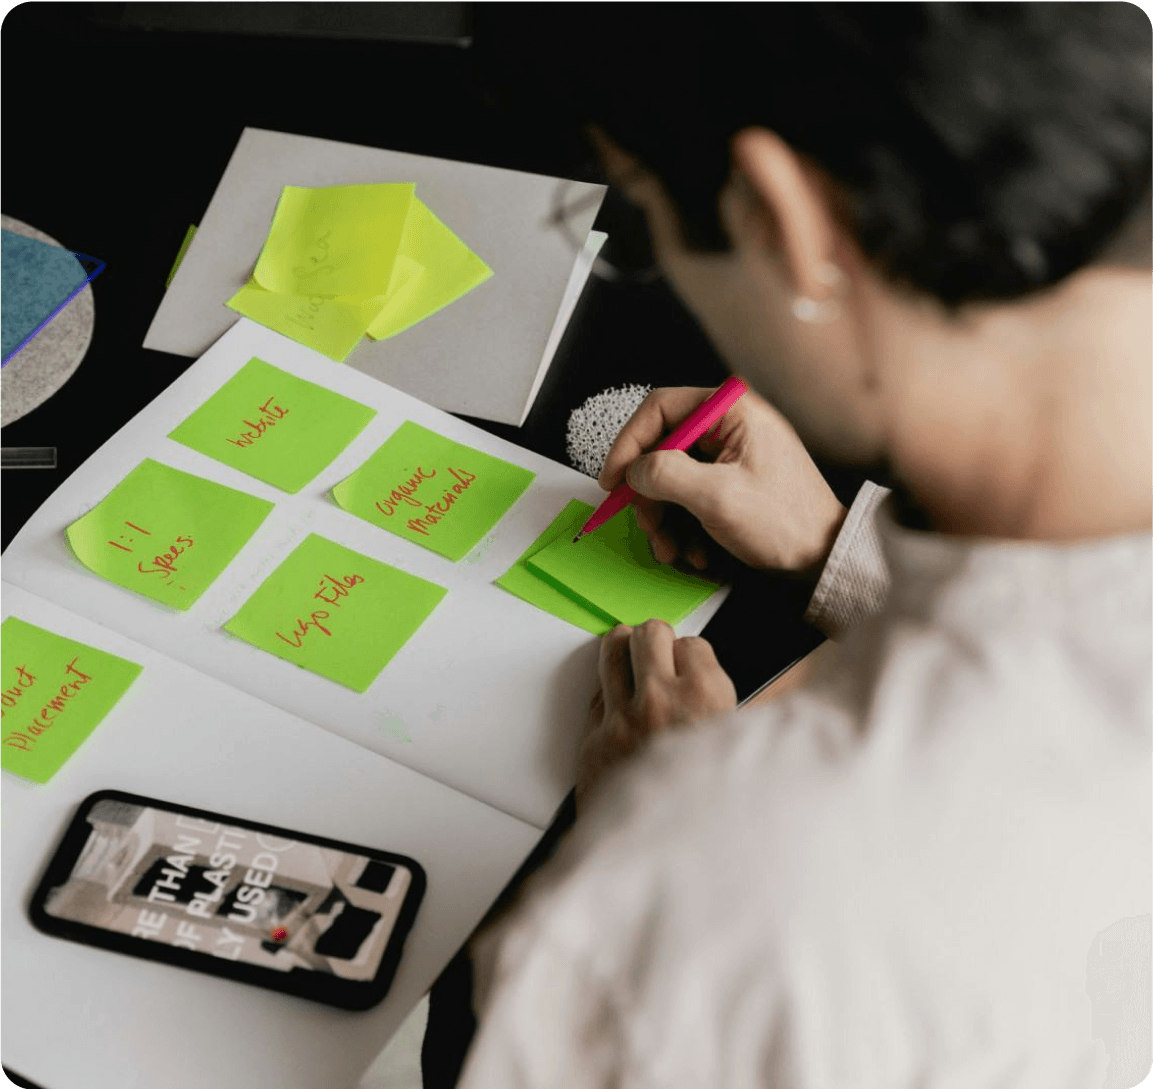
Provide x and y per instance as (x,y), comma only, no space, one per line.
(594,425)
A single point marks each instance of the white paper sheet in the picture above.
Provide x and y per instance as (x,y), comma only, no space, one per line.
(572,294)
(481,355)
(77,1017)
(489,696)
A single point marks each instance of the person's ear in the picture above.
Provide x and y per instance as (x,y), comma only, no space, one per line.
(779,204)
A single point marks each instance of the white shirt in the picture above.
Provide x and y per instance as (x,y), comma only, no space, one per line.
(929,868)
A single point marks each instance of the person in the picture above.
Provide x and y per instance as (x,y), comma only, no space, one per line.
(921,233)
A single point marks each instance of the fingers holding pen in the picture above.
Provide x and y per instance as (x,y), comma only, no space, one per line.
(651,517)
(660,412)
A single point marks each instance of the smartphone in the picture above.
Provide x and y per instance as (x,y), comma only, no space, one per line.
(294,912)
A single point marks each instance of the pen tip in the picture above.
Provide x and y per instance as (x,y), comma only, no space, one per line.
(577,538)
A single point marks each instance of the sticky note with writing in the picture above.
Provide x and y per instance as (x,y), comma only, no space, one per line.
(428,489)
(325,269)
(530,587)
(334,239)
(164,533)
(613,571)
(53,693)
(274,426)
(332,325)
(335,612)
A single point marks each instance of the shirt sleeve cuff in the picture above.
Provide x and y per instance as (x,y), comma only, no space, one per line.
(855,578)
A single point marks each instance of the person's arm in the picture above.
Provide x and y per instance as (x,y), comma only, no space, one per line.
(852,586)
(855,577)
(544,1020)
(563,982)
(651,682)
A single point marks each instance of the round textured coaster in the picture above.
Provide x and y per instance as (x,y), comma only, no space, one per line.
(51,357)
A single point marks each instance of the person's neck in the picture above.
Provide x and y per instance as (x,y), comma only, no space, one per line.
(1031,420)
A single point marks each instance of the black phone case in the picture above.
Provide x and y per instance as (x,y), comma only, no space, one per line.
(317,986)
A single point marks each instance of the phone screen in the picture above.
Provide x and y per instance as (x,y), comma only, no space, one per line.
(286,910)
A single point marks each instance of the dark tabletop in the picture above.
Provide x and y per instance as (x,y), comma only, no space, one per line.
(114,138)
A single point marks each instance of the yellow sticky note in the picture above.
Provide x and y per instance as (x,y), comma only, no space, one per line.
(433,268)
(331,326)
(324,272)
(335,240)
(345,260)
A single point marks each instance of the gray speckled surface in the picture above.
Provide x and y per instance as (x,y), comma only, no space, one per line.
(43,365)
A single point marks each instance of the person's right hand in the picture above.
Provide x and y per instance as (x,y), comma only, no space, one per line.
(760,498)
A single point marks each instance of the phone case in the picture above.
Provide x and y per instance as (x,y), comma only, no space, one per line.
(248,901)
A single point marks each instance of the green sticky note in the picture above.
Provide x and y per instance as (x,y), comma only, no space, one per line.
(189,235)
(164,533)
(522,582)
(335,612)
(430,490)
(433,268)
(54,693)
(613,571)
(324,272)
(274,426)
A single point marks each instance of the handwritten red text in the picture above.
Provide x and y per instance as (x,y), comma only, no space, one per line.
(295,638)
(25,740)
(165,564)
(269,415)
(403,493)
(434,512)
(12,694)
(331,591)
(126,537)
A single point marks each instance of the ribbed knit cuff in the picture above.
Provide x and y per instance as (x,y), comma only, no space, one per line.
(855,578)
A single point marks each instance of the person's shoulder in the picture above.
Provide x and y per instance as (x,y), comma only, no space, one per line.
(721,847)
(906,716)
(943,695)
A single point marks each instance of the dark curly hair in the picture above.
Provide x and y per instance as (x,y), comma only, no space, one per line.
(983,150)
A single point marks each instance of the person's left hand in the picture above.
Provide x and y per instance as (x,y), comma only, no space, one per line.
(650,682)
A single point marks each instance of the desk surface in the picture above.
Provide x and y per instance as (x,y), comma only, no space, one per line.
(120,152)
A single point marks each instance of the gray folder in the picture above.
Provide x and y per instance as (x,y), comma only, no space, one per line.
(480,355)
